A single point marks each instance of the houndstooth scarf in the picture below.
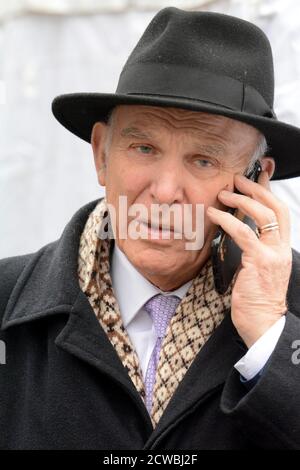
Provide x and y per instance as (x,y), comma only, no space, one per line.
(195,319)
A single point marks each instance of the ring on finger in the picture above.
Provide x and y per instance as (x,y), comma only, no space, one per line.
(268,227)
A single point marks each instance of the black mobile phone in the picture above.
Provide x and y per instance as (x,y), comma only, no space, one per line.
(225,253)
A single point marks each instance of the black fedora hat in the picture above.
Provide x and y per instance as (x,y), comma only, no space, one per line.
(201,61)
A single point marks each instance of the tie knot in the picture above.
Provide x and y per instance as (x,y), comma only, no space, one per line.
(161,309)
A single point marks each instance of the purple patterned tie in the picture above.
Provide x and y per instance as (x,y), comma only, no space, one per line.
(161,309)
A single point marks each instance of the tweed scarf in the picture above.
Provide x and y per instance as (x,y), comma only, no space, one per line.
(197,316)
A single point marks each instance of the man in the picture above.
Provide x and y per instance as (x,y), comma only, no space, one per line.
(123,341)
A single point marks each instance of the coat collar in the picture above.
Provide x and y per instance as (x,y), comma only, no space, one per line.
(49,283)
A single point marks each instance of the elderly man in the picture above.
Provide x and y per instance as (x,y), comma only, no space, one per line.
(118,338)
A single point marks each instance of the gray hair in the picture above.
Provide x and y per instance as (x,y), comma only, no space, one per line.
(110,123)
(260,150)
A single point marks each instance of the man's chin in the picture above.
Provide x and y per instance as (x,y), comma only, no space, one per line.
(150,256)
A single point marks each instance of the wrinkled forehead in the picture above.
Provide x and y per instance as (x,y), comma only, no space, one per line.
(154,119)
(180,119)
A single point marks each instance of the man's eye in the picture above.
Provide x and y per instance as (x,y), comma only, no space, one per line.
(145,149)
(202,163)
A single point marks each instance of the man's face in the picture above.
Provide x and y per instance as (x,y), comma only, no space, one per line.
(169,156)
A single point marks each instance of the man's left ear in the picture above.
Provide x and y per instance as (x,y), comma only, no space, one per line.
(268,164)
(97,141)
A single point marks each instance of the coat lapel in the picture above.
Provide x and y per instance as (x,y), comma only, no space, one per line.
(84,338)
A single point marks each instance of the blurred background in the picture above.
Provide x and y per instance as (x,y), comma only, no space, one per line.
(49,47)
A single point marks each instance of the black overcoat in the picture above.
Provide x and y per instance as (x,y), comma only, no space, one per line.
(63,386)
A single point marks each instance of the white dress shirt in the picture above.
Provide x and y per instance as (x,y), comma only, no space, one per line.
(132,291)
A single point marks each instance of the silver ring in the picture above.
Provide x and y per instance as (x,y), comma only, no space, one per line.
(268,227)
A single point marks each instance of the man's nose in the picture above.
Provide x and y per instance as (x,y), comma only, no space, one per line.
(167,185)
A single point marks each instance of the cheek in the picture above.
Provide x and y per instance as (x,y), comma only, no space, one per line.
(207,195)
(124,180)
(123,177)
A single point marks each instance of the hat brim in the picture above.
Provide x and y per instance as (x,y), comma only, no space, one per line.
(78,113)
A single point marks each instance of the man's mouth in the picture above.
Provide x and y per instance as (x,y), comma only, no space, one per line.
(158,227)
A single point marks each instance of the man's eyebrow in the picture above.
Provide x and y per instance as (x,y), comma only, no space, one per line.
(135,132)
(213,149)
(216,150)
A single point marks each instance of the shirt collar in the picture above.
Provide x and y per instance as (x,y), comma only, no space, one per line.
(131,289)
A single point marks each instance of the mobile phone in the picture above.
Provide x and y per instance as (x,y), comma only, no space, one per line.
(225,253)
